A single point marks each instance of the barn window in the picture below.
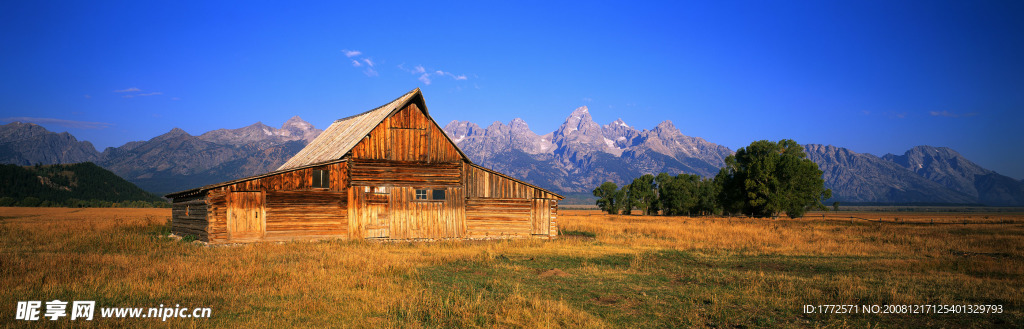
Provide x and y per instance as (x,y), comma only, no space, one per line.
(321,178)
(429,195)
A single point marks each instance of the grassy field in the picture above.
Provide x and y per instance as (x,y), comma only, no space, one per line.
(604,271)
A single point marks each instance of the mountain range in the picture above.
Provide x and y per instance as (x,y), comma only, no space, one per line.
(169,162)
(574,158)
(581,154)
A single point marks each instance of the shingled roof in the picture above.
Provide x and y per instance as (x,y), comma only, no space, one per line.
(338,139)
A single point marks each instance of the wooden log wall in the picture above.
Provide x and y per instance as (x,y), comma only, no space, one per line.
(294,209)
(407,135)
(499,206)
(217,214)
(553,233)
(430,219)
(540,216)
(368,213)
(496,218)
(301,179)
(306,214)
(405,173)
(395,214)
(189,217)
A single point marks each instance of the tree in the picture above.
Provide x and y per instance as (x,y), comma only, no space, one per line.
(29,201)
(642,193)
(677,195)
(609,197)
(670,194)
(705,197)
(730,196)
(622,199)
(767,178)
(835,206)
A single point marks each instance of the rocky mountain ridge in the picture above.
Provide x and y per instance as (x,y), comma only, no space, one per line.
(581,154)
(952,170)
(577,156)
(28,144)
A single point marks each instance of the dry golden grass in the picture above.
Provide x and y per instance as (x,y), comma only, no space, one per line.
(636,271)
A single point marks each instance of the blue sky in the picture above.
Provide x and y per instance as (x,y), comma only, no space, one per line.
(873,76)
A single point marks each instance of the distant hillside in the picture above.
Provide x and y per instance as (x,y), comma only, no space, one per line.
(170,162)
(74,185)
(862,177)
(952,170)
(29,144)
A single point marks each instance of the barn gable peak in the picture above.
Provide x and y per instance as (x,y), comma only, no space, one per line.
(341,136)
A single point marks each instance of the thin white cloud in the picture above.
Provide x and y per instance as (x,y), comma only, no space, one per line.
(425,74)
(61,122)
(175,98)
(588,99)
(151,94)
(128,96)
(949,114)
(87,96)
(128,90)
(422,74)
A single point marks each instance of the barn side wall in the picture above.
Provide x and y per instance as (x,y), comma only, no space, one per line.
(189,217)
(497,206)
(293,208)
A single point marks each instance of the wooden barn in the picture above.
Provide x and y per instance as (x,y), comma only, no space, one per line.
(388,173)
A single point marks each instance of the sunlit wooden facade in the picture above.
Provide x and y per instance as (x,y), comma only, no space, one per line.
(388,173)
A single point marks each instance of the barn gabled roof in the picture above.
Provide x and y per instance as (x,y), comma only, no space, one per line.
(338,139)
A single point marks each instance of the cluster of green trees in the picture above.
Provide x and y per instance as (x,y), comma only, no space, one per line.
(763,179)
(683,194)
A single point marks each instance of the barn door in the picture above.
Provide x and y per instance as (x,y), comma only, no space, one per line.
(246,216)
(376,219)
(540,216)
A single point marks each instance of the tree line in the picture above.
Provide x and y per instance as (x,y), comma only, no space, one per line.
(764,179)
(31,201)
(70,185)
